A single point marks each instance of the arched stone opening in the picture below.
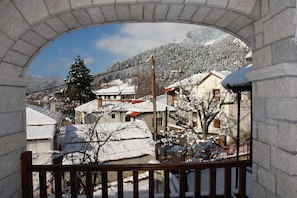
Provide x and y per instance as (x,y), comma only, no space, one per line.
(27,26)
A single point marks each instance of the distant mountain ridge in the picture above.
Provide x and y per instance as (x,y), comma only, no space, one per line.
(198,51)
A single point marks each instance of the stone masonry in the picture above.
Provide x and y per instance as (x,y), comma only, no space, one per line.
(27,26)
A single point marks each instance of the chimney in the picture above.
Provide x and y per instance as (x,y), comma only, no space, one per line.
(52,101)
(99,102)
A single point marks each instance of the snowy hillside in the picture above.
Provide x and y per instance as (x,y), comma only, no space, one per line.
(203,50)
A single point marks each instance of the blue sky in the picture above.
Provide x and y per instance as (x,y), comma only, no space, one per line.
(101,46)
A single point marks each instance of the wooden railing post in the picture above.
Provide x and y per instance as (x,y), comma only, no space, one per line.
(27,183)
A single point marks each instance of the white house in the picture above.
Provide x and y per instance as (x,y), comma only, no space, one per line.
(201,86)
(144,111)
(106,110)
(116,90)
(42,133)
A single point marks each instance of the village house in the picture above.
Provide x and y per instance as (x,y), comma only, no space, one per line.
(208,85)
(42,131)
(116,90)
(144,111)
(103,111)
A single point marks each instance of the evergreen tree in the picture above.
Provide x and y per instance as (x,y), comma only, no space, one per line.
(78,82)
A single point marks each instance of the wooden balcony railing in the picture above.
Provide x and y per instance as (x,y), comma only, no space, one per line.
(58,171)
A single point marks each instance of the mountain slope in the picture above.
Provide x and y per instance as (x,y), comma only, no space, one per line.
(199,51)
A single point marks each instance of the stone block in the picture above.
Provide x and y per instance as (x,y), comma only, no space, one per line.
(213,16)
(240,23)
(11,123)
(268,133)
(137,13)
(284,160)
(10,162)
(287,136)
(258,26)
(12,99)
(286,185)
(277,6)
(161,11)
(282,108)
(267,179)
(69,20)
(196,1)
(78,3)
(259,41)
(188,12)
(11,186)
(264,8)
(284,51)
(12,142)
(24,48)
(271,30)
(57,25)
(83,17)
(259,109)
(174,11)
(286,87)
(148,11)
(265,88)
(242,6)
(7,69)
(6,43)
(261,154)
(44,30)
(12,22)
(258,190)
(109,13)
(57,6)
(226,19)
(217,3)
(34,39)
(262,57)
(16,58)
(96,15)
(123,12)
(201,13)
(33,10)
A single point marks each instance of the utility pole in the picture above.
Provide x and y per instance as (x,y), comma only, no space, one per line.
(152,60)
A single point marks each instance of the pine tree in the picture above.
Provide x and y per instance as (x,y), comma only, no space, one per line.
(78,82)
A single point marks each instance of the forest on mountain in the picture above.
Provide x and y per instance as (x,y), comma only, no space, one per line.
(215,52)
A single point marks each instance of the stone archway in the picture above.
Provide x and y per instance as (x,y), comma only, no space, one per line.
(26,26)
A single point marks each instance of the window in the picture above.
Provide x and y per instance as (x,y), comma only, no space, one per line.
(217,123)
(159,122)
(113,115)
(127,119)
(216,94)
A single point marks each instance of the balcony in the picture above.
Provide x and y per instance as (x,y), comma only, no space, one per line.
(233,184)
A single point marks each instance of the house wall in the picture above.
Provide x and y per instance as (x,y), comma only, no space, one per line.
(148,118)
(204,90)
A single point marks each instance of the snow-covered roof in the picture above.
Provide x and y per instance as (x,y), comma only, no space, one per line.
(147,106)
(40,116)
(127,140)
(122,89)
(41,123)
(237,80)
(107,105)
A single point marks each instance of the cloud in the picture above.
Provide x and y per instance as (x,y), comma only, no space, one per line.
(88,61)
(135,38)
